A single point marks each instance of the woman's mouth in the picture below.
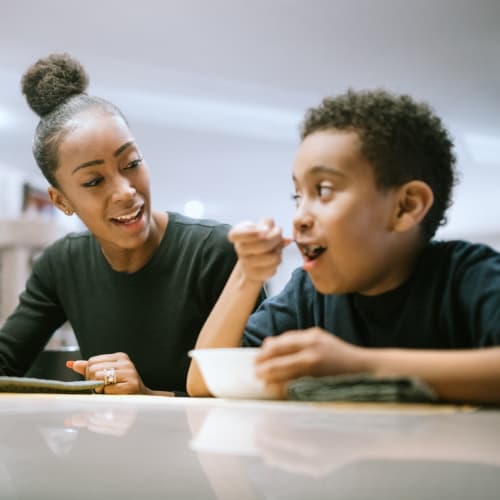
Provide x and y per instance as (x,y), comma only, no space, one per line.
(129,218)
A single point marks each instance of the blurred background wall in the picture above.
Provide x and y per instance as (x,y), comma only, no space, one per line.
(215,90)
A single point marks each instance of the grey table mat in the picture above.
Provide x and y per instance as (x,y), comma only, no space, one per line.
(361,387)
(27,384)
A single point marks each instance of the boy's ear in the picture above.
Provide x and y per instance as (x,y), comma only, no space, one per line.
(60,201)
(414,199)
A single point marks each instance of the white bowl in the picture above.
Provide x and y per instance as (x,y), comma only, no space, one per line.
(230,372)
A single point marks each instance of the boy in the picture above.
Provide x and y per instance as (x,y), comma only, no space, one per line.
(373,177)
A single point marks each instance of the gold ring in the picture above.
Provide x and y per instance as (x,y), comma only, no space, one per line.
(109,376)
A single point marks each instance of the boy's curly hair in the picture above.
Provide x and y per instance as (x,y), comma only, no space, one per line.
(404,140)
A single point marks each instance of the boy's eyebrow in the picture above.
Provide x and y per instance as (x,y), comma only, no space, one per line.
(90,163)
(321,169)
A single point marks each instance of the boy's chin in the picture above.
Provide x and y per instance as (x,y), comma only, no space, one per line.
(323,285)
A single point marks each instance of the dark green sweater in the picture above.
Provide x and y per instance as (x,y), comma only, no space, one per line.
(154,315)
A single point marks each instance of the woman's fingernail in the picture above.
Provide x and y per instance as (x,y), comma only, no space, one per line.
(69,364)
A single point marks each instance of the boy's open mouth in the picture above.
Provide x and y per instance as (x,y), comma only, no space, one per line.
(311,252)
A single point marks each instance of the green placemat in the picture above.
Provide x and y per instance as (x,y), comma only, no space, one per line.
(361,387)
(26,384)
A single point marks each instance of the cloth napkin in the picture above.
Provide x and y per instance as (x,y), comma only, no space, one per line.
(27,384)
(361,387)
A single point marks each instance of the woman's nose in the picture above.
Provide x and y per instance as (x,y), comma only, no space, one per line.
(123,191)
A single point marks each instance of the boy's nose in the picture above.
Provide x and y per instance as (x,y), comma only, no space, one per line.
(302,220)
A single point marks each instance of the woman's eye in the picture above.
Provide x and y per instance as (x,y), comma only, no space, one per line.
(133,164)
(93,182)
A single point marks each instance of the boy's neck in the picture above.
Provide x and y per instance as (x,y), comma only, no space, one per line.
(400,266)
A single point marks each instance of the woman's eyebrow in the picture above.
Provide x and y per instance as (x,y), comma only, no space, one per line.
(88,164)
(122,148)
(91,163)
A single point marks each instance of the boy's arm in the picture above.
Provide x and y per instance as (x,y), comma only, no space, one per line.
(469,375)
(259,254)
(225,324)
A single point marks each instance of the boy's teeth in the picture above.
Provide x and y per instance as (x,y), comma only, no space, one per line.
(312,248)
(313,251)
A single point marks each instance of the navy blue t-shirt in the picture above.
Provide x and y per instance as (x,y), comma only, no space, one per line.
(451,301)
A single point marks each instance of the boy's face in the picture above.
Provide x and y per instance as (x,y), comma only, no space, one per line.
(343,221)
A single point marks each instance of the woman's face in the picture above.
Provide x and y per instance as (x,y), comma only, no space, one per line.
(104,179)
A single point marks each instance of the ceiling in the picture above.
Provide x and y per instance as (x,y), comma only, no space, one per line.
(215,89)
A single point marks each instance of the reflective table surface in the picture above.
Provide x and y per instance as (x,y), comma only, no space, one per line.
(140,447)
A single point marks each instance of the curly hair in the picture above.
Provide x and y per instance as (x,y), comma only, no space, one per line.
(403,139)
(54,88)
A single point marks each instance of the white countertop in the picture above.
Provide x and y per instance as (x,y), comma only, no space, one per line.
(138,447)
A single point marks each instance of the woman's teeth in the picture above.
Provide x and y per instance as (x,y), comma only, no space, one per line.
(129,217)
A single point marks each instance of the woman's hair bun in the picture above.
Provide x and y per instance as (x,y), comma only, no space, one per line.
(51,81)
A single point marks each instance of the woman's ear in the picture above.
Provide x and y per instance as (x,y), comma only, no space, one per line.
(60,201)
(414,199)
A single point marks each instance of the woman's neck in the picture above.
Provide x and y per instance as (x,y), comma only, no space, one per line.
(130,261)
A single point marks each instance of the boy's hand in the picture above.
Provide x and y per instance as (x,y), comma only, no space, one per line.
(259,248)
(312,352)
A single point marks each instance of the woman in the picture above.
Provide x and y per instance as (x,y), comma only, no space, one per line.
(139,284)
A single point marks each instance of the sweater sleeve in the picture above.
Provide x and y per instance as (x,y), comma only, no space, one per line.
(217,263)
(29,327)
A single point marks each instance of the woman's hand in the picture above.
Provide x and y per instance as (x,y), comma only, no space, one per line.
(259,248)
(128,381)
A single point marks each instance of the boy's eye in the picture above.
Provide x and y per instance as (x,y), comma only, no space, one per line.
(92,182)
(296,198)
(133,164)
(324,190)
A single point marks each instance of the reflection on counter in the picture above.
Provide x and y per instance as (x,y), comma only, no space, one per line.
(315,443)
(108,421)
(310,454)
(96,447)
(60,439)
(132,447)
